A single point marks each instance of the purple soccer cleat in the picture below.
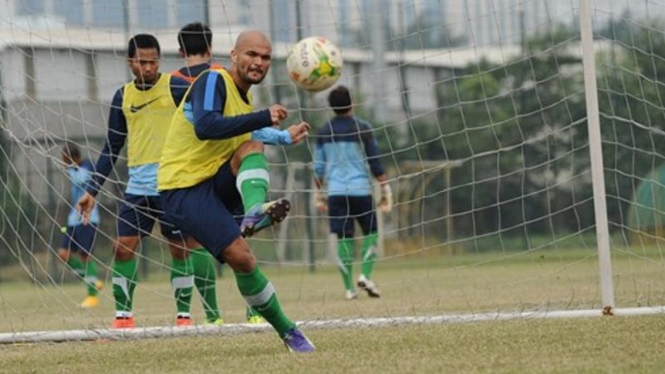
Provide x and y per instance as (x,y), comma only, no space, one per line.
(297,342)
(264,215)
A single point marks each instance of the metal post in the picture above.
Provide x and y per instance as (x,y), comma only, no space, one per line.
(302,95)
(596,153)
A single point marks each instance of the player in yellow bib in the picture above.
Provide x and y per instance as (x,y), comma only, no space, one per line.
(140,116)
(210,169)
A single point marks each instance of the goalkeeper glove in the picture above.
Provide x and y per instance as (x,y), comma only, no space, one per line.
(321,201)
(386,200)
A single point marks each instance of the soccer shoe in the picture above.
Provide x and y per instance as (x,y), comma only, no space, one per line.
(183,321)
(123,323)
(351,295)
(297,342)
(368,286)
(256,320)
(90,302)
(99,285)
(264,215)
(217,322)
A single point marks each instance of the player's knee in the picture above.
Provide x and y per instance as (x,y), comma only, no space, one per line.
(179,252)
(84,257)
(239,256)
(64,255)
(249,146)
(124,248)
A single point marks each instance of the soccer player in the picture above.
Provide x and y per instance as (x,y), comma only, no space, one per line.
(78,237)
(140,115)
(210,169)
(343,145)
(195,41)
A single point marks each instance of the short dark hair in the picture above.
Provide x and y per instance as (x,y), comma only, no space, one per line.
(340,100)
(71,150)
(142,41)
(195,39)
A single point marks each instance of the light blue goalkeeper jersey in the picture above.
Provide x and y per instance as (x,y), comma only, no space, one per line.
(80,176)
(346,153)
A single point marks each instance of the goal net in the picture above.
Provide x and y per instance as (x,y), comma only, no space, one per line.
(485,125)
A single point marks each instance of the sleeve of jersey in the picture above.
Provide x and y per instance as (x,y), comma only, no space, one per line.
(319,160)
(372,151)
(81,176)
(208,97)
(115,140)
(179,88)
(270,135)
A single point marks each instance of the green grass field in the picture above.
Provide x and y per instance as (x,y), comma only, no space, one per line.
(433,285)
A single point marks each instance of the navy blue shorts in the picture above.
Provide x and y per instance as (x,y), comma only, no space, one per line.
(80,238)
(137,216)
(206,211)
(345,209)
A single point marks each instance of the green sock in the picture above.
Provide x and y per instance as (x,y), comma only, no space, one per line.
(203,265)
(260,295)
(124,283)
(369,254)
(76,265)
(182,282)
(253,180)
(345,254)
(90,277)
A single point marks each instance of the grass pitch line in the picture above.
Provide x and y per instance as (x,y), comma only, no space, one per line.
(243,328)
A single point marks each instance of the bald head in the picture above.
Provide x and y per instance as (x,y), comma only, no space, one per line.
(250,58)
(251,38)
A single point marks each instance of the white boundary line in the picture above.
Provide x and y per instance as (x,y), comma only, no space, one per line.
(234,329)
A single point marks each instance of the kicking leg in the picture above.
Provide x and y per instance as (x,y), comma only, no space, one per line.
(252,181)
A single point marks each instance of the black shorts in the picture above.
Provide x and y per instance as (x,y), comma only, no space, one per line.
(80,238)
(345,209)
(137,216)
(208,211)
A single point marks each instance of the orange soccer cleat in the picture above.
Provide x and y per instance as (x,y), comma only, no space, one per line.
(123,323)
(183,321)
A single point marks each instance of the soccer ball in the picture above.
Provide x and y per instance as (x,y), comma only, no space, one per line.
(314,64)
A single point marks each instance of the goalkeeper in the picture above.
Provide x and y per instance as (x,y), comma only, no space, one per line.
(210,169)
(343,145)
(195,41)
(76,236)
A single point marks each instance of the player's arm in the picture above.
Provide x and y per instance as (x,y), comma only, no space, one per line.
(208,97)
(179,88)
(292,135)
(115,141)
(321,201)
(375,166)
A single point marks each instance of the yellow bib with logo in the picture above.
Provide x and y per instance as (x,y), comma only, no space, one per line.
(148,114)
(186,160)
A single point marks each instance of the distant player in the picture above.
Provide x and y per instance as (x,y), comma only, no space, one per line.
(78,237)
(140,115)
(195,41)
(211,169)
(344,148)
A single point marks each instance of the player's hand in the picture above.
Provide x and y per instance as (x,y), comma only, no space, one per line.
(321,201)
(84,207)
(386,201)
(299,131)
(277,114)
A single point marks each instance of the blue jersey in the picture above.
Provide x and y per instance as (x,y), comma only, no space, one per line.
(346,153)
(79,176)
